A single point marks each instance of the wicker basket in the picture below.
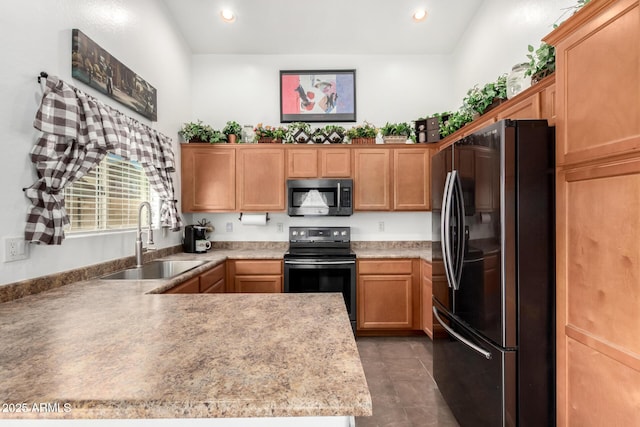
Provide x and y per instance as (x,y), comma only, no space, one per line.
(395,139)
(363,140)
(269,141)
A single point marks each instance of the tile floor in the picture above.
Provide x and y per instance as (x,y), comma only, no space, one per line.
(399,373)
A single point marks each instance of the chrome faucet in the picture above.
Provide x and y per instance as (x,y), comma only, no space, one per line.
(139,247)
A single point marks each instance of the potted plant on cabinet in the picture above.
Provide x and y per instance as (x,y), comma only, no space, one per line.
(232,130)
(480,100)
(298,133)
(362,134)
(196,132)
(396,133)
(542,62)
(318,136)
(335,133)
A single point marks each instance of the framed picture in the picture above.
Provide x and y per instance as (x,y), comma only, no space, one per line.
(317,96)
(96,67)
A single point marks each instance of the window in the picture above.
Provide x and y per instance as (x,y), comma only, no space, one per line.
(108,197)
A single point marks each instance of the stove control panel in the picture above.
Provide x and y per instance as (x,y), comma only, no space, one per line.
(319,234)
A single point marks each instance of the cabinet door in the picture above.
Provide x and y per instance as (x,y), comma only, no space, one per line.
(212,281)
(208,178)
(372,181)
(258,284)
(385,302)
(487,180)
(411,179)
(191,286)
(260,176)
(528,108)
(302,162)
(335,162)
(426,301)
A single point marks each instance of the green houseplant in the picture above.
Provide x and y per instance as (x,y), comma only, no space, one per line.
(362,134)
(335,133)
(232,130)
(480,100)
(396,133)
(455,121)
(196,132)
(542,61)
(298,133)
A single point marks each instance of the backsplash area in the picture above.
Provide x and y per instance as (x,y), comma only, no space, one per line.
(365,226)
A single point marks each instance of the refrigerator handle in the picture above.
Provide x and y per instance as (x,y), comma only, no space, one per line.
(460,218)
(445,229)
(460,338)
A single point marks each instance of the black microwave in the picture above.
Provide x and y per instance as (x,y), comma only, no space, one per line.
(320,197)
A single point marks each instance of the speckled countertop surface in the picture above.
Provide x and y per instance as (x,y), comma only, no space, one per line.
(110,349)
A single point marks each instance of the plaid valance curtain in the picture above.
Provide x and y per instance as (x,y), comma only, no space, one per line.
(78,131)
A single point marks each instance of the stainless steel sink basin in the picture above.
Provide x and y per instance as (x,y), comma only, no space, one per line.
(154,270)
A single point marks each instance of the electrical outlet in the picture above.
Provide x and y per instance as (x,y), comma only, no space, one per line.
(381,226)
(280,227)
(15,248)
(229,227)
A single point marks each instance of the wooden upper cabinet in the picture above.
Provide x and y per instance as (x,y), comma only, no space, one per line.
(318,162)
(598,82)
(372,176)
(302,162)
(527,108)
(335,162)
(261,179)
(411,179)
(208,178)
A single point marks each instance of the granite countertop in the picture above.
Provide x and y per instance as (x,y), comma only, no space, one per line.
(111,349)
(422,253)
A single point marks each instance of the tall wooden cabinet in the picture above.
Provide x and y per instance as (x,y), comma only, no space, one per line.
(598,214)
(208,178)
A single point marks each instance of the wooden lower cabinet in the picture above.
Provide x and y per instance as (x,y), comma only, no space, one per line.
(211,281)
(191,286)
(388,294)
(256,276)
(426,290)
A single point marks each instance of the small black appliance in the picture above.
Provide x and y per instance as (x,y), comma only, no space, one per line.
(193,234)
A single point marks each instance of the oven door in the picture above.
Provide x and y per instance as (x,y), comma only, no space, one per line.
(323,275)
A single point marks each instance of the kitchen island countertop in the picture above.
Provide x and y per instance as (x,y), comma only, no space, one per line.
(112,349)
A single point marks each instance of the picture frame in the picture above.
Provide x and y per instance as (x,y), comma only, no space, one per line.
(317,96)
(94,66)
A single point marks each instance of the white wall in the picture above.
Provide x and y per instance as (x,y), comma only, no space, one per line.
(36,37)
(390,88)
(367,226)
(498,38)
(393,88)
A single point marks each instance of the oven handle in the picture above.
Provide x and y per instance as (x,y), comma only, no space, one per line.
(338,196)
(319,262)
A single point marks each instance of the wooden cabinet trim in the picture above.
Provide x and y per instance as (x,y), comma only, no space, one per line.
(191,286)
(385,266)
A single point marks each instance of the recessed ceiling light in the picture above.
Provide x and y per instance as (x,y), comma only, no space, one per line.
(420,15)
(227,15)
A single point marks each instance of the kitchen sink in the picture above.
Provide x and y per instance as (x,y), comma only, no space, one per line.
(154,270)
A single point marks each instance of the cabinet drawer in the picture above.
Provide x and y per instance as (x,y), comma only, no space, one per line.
(211,277)
(216,288)
(251,267)
(385,266)
(191,286)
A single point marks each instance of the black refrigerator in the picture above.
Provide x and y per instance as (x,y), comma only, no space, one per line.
(493,237)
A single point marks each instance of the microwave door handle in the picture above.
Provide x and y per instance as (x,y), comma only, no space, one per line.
(460,338)
(339,196)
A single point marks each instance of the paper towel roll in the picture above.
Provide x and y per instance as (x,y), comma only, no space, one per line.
(253,219)
(485,218)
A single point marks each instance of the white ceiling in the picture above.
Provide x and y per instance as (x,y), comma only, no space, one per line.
(322,26)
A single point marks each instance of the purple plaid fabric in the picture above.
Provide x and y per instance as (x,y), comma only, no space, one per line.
(78,131)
